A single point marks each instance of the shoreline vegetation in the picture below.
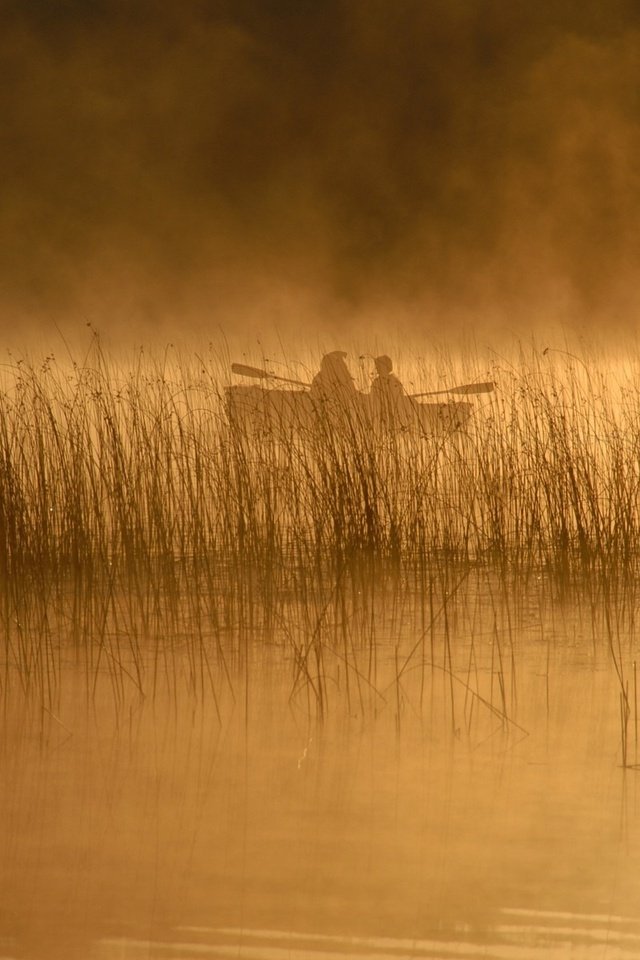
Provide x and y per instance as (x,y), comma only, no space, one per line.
(133,516)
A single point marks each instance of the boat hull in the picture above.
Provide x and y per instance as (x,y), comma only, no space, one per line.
(255,409)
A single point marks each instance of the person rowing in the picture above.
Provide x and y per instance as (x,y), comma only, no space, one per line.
(333,382)
(333,392)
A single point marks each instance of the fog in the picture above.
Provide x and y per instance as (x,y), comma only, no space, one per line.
(251,165)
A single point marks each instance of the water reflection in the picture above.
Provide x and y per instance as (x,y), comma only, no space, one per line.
(539,935)
(461,793)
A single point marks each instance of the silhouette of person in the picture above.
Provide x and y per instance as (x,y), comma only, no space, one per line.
(333,393)
(333,381)
(389,401)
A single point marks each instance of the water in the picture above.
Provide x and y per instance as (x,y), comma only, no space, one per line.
(461,795)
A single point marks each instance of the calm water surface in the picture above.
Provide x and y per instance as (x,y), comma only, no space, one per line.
(472,805)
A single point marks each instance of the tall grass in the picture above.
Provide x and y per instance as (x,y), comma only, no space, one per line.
(130,509)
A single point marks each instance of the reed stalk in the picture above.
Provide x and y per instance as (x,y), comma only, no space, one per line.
(144,533)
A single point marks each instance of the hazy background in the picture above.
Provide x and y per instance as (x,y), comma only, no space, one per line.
(300,165)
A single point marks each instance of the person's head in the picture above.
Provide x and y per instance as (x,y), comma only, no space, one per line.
(384,366)
(333,361)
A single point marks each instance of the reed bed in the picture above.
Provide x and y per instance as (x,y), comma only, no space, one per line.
(130,509)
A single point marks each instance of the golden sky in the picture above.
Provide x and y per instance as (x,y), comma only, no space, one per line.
(208,163)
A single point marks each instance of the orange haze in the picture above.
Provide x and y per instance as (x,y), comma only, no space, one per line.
(251,165)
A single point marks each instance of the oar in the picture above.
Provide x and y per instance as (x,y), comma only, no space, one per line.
(245,371)
(466,390)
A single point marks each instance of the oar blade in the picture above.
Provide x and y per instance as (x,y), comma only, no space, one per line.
(470,388)
(244,371)
(466,390)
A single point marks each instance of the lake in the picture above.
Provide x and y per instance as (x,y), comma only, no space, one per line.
(434,769)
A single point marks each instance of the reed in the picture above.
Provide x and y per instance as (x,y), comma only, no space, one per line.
(131,509)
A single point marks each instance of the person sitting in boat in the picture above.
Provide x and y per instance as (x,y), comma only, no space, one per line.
(333,391)
(333,385)
(389,401)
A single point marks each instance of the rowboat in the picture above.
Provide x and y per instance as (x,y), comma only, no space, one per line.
(257,409)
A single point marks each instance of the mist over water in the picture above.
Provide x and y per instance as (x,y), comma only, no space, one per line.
(317,668)
(278,678)
(246,166)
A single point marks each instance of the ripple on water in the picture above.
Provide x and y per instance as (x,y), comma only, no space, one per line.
(519,934)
